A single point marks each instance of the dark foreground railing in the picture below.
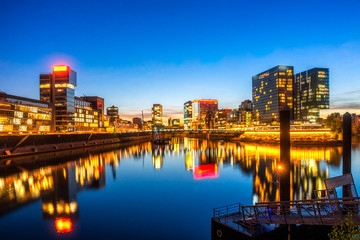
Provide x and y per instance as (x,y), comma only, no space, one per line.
(330,211)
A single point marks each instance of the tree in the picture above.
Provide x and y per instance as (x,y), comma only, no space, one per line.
(347,230)
(333,121)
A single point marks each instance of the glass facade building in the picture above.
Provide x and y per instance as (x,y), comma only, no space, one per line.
(272,91)
(59,88)
(86,117)
(205,111)
(188,115)
(24,115)
(311,94)
(157,114)
(70,113)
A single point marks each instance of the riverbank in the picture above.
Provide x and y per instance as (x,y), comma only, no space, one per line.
(22,145)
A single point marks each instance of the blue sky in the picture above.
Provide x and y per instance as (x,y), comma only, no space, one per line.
(136,53)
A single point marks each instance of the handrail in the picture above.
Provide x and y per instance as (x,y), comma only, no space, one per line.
(331,211)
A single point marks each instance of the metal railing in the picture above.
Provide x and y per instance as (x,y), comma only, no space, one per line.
(328,211)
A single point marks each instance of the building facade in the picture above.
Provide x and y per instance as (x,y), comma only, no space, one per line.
(221,118)
(24,115)
(113,112)
(188,115)
(97,104)
(157,113)
(86,118)
(205,111)
(311,94)
(59,89)
(70,113)
(272,91)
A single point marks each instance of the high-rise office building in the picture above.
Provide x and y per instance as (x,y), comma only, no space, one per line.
(272,91)
(205,110)
(188,115)
(157,113)
(70,113)
(311,94)
(59,88)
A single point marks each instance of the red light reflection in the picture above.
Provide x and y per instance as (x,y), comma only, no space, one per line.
(63,225)
(206,171)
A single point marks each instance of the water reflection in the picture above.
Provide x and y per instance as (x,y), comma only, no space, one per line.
(58,186)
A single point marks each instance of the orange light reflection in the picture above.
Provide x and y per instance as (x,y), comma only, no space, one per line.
(63,225)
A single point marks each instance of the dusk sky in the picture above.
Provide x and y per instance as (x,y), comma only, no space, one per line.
(136,53)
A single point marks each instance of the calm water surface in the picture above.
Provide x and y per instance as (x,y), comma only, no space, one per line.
(151,192)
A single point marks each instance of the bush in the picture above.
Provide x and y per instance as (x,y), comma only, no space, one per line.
(347,230)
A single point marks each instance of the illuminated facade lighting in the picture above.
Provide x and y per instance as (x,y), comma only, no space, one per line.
(60,68)
(70,113)
(24,115)
(311,94)
(200,113)
(156,114)
(272,91)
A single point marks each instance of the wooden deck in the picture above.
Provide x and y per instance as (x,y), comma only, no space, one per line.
(248,219)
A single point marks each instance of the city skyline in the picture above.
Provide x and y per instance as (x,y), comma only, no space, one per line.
(192,54)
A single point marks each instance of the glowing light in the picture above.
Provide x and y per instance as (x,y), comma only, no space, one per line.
(205,100)
(206,171)
(60,68)
(63,225)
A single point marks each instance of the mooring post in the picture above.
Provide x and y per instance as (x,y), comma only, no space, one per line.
(284,168)
(347,151)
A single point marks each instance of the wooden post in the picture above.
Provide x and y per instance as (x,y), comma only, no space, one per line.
(347,151)
(284,171)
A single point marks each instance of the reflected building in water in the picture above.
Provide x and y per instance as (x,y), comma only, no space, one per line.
(57,186)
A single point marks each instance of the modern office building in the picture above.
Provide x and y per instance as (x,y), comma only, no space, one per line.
(86,118)
(188,115)
(24,115)
(204,112)
(272,91)
(157,113)
(59,88)
(113,112)
(311,94)
(97,104)
(70,113)
(221,118)
(242,116)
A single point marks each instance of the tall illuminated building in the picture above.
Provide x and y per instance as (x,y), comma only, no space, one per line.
(59,88)
(311,94)
(157,113)
(272,91)
(188,115)
(205,111)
